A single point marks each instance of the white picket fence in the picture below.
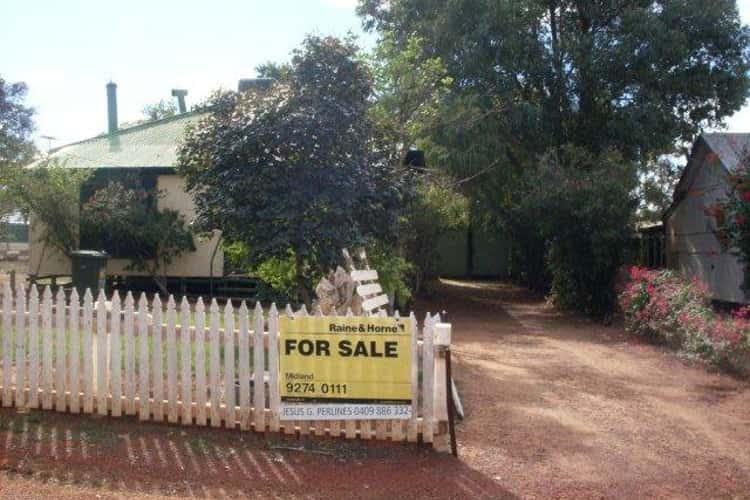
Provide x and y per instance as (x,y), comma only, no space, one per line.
(181,364)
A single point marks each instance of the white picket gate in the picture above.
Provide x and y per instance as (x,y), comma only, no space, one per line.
(182,365)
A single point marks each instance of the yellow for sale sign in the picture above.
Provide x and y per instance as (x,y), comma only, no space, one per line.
(344,368)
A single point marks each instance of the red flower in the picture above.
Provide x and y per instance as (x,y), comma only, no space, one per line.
(746,195)
(741,219)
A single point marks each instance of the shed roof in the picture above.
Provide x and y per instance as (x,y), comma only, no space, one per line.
(729,147)
(149,145)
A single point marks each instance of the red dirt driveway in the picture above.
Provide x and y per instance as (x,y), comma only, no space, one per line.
(556,407)
(561,407)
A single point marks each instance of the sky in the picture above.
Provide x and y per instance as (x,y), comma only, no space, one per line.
(67,50)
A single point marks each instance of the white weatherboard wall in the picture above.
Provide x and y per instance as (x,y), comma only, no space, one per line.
(190,264)
(692,247)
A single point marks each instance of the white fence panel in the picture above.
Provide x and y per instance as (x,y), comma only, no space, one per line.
(104,367)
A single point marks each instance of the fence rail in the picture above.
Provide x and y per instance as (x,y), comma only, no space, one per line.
(132,358)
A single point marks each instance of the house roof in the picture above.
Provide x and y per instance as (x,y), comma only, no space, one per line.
(148,145)
(730,149)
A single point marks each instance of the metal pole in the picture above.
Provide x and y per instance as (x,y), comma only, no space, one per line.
(451,410)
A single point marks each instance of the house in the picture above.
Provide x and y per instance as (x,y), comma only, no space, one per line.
(149,152)
(691,244)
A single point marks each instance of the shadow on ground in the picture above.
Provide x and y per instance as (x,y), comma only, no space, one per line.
(105,456)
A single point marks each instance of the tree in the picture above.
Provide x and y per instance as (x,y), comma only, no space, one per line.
(52,193)
(123,218)
(637,75)
(409,87)
(534,78)
(295,168)
(159,110)
(16,146)
(16,125)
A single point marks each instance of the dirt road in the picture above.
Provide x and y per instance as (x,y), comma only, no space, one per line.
(556,407)
(559,407)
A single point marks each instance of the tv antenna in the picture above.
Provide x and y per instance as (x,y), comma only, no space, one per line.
(49,139)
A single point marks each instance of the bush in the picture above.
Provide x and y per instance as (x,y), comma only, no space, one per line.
(667,308)
(732,215)
(572,212)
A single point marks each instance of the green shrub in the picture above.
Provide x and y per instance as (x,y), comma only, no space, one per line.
(575,208)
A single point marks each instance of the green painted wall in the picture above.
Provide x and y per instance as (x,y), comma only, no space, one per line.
(490,256)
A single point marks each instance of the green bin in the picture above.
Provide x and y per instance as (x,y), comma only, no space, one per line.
(89,271)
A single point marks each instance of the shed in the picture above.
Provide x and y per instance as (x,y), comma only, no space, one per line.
(691,244)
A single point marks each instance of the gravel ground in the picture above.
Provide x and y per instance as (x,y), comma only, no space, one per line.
(556,407)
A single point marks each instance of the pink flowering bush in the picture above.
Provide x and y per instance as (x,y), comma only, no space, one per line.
(668,308)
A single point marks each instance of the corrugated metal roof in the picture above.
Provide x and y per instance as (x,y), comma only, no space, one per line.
(730,148)
(152,144)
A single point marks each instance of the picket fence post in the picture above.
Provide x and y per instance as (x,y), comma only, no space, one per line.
(273,368)
(200,362)
(74,358)
(229,413)
(115,357)
(101,354)
(171,362)
(259,402)
(244,367)
(214,369)
(34,347)
(20,333)
(129,355)
(47,342)
(185,360)
(7,345)
(144,388)
(428,373)
(156,358)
